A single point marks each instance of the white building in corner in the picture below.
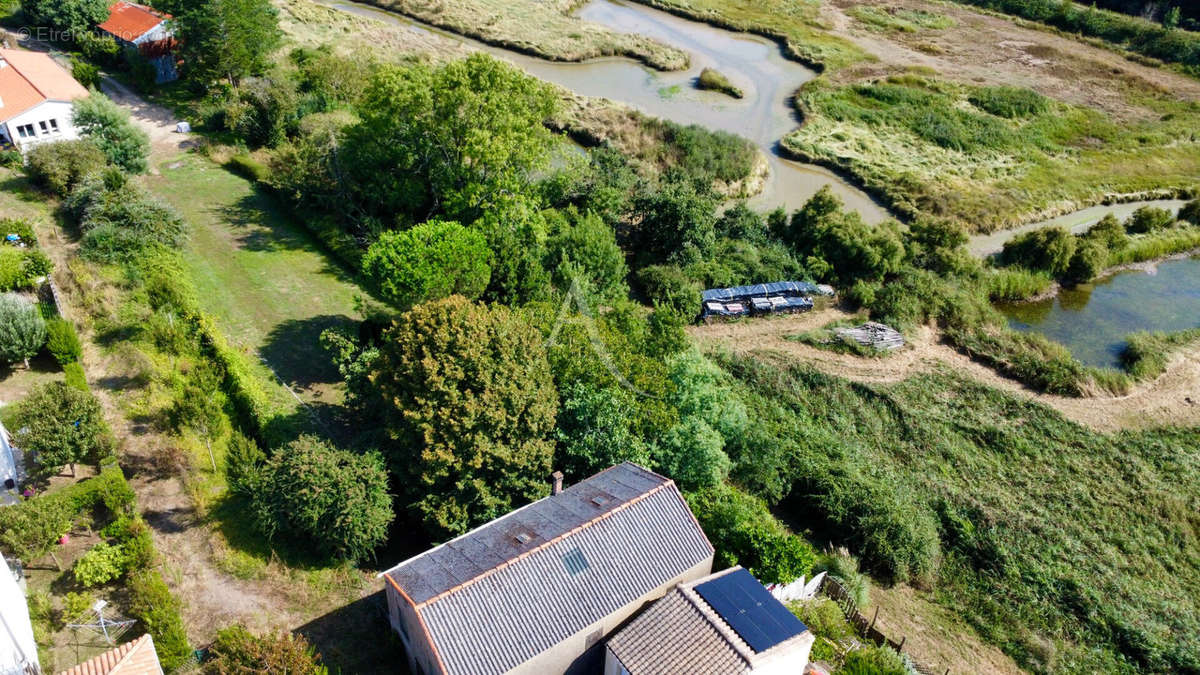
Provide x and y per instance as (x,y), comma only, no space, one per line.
(35,99)
(18,651)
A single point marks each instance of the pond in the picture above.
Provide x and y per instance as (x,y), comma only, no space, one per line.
(1094,319)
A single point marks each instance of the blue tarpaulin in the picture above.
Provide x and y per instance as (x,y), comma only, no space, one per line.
(778,296)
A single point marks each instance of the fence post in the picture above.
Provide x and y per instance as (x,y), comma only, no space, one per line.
(901,647)
(876,616)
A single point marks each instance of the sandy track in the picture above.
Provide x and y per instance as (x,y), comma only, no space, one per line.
(1173,398)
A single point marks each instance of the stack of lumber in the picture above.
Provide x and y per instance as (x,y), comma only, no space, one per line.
(871,334)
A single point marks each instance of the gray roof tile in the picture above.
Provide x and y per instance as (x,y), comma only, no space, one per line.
(491,603)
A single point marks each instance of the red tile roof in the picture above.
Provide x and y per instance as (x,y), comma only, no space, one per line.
(128,21)
(28,78)
(132,658)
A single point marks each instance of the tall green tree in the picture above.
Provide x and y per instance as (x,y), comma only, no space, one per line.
(469,406)
(22,330)
(228,39)
(451,140)
(75,16)
(335,499)
(431,261)
(61,425)
(110,128)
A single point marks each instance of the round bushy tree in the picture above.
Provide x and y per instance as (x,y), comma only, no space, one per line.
(469,405)
(103,122)
(429,262)
(237,651)
(22,329)
(61,425)
(1149,219)
(1048,249)
(336,499)
(1190,212)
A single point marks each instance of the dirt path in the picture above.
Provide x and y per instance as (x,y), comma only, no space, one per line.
(158,122)
(1173,398)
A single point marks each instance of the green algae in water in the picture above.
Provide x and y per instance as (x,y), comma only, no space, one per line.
(1093,320)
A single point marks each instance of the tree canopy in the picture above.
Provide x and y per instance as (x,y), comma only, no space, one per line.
(61,425)
(431,261)
(109,127)
(227,39)
(335,499)
(450,140)
(75,16)
(469,406)
(22,330)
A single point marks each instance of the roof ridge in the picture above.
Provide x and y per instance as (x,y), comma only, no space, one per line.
(525,554)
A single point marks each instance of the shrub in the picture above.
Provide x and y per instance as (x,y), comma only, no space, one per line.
(63,342)
(1190,212)
(596,431)
(844,568)
(151,602)
(745,533)
(30,528)
(873,660)
(61,425)
(243,464)
(1089,260)
(22,329)
(692,453)
(1010,102)
(75,377)
(666,286)
(101,564)
(249,168)
(237,651)
(1109,232)
(335,499)
(59,166)
(105,123)
(825,619)
(1048,249)
(583,247)
(85,73)
(120,220)
(429,262)
(1149,219)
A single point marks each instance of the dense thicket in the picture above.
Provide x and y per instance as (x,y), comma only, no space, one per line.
(1164,42)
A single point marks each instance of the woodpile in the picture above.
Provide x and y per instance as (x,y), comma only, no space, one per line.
(871,334)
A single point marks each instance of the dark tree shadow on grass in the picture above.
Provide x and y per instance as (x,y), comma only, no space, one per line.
(264,224)
(293,350)
(357,638)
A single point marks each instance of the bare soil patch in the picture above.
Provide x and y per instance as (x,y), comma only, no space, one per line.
(1171,399)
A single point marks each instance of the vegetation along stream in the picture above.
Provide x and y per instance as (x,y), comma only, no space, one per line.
(1094,320)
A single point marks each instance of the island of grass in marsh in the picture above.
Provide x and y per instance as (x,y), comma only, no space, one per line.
(542,28)
(715,80)
(992,157)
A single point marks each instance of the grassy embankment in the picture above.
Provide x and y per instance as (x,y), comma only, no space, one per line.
(1072,550)
(992,157)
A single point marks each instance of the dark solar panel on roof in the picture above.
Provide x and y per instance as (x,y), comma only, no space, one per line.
(750,610)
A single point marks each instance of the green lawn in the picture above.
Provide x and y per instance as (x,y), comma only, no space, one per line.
(267,283)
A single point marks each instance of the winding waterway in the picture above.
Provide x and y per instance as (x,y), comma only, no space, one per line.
(764,115)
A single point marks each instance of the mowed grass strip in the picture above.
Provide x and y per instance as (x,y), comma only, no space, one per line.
(267,283)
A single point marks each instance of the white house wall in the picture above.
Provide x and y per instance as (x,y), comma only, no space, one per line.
(43,112)
(18,650)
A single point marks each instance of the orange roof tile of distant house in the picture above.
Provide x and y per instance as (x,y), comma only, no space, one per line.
(132,658)
(129,21)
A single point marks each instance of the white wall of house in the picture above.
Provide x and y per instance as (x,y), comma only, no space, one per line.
(18,651)
(8,462)
(46,122)
(155,34)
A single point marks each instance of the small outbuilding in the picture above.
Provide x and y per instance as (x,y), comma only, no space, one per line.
(147,32)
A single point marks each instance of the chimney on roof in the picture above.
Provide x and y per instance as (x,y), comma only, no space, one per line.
(557,477)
